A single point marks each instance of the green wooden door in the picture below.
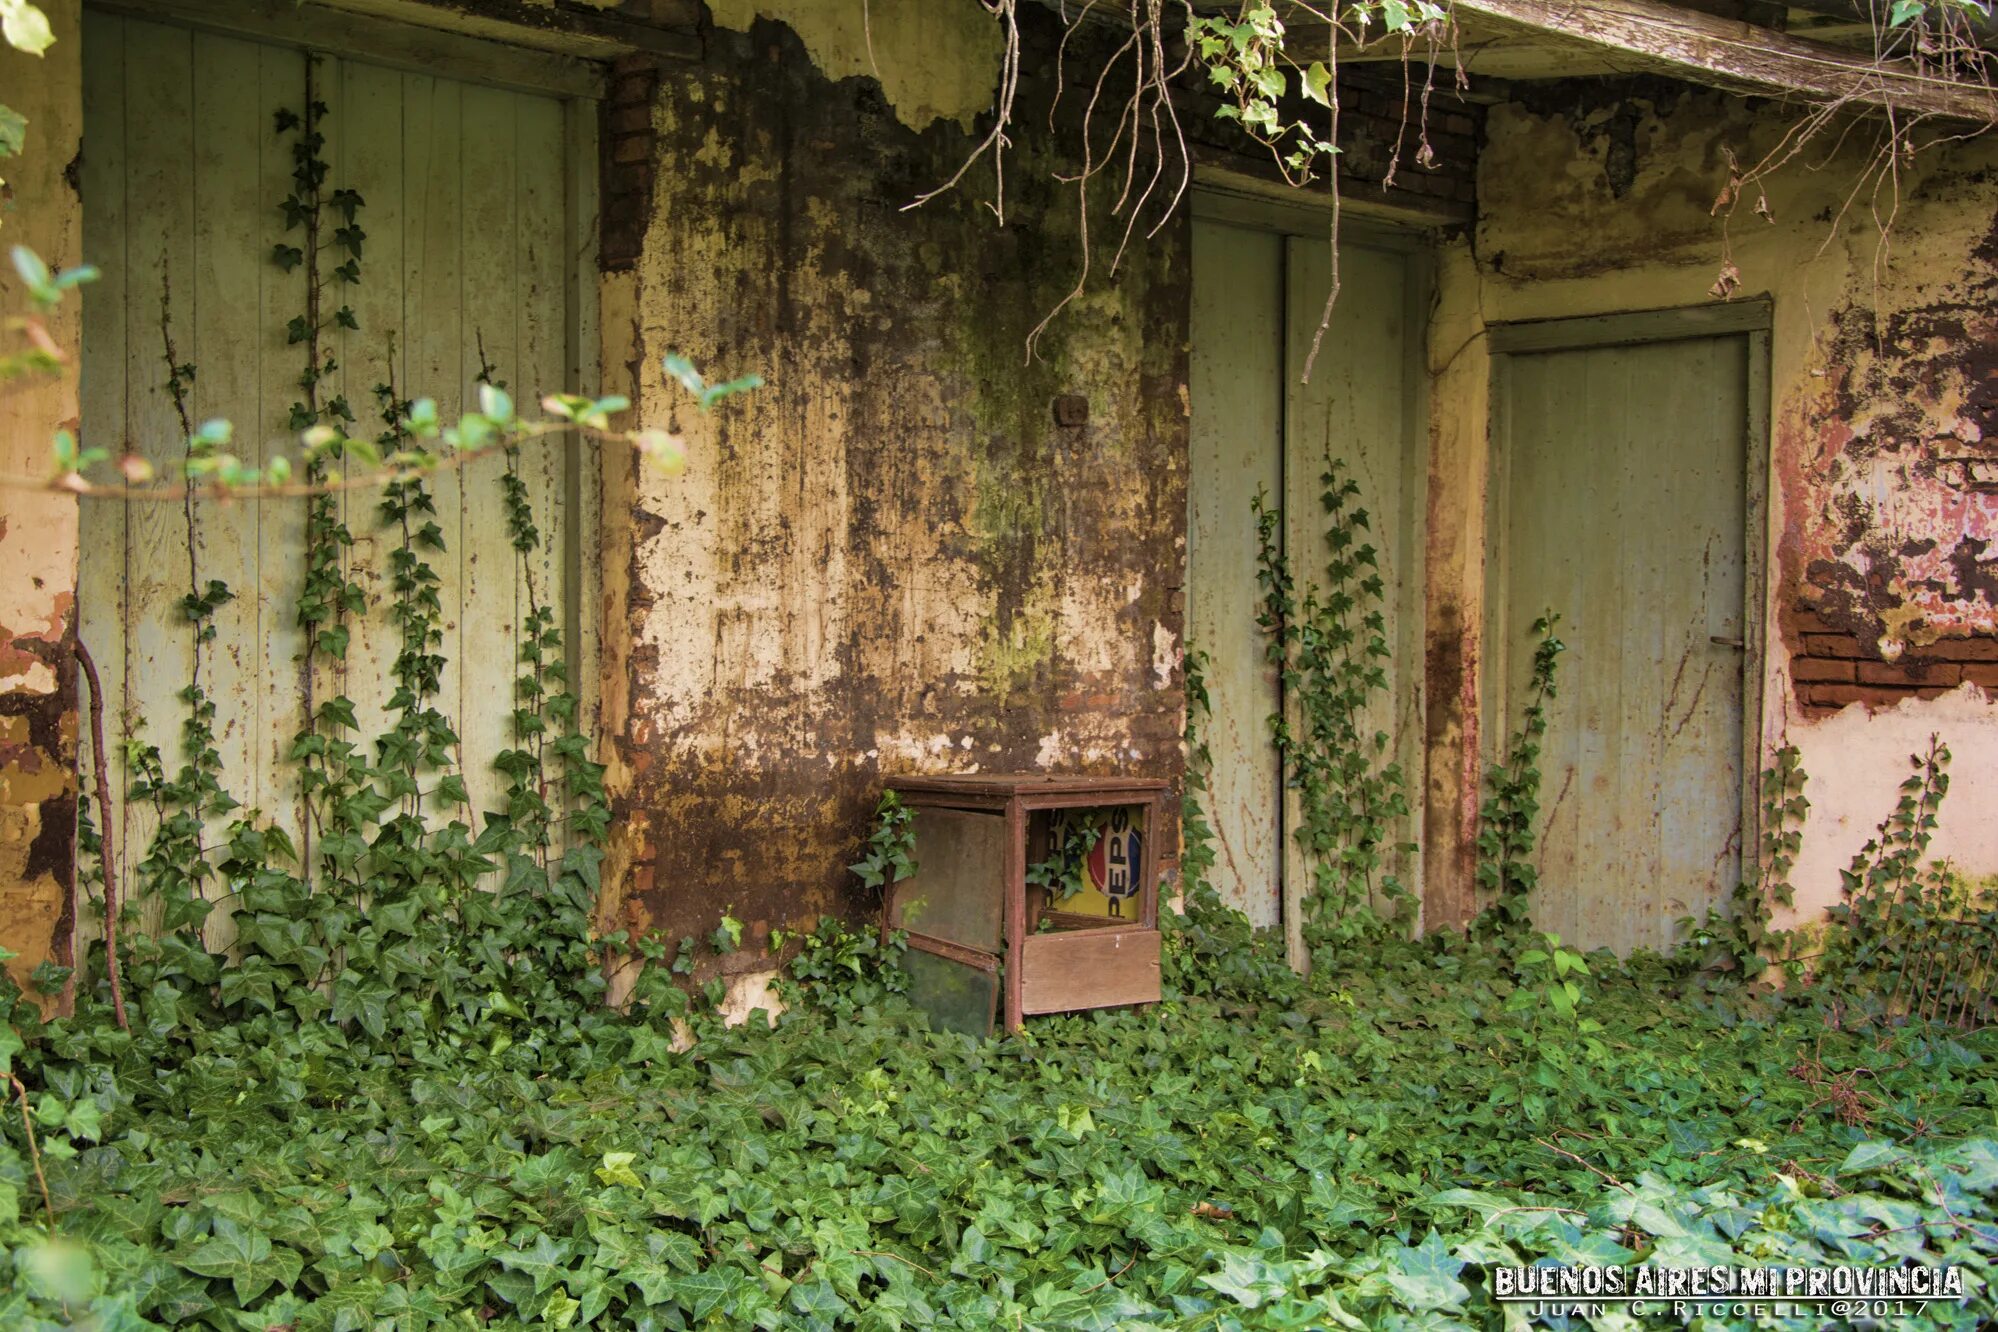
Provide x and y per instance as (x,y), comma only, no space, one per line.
(1259,286)
(1236,450)
(470,259)
(1621,504)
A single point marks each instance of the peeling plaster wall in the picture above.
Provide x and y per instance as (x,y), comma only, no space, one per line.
(38,719)
(935,61)
(892,559)
(1599,198)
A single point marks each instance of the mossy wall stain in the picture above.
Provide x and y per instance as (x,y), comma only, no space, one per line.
(892,558)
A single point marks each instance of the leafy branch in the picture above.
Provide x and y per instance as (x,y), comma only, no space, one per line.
(1512,801)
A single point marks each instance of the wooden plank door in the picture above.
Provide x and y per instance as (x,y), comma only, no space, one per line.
(1363,408)
(1259,288)
(1622,505)
(1236,450)
(472,238)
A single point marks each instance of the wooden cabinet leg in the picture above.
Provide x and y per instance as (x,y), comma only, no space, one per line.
(1016,909)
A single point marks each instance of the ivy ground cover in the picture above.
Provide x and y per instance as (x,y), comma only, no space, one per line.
(1360,1153)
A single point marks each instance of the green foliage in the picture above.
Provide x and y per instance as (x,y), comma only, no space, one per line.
(1246,59)
(706,395)
(890,854)
(1064,872)
(841,971)
(1331,652)
(1363,1156)
(1915,939)
(1512,798)
(1740,938)
(1210,949)
(1548,978)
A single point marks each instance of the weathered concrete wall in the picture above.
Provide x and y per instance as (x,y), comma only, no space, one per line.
(1881,606)
(38,716)
(892,559)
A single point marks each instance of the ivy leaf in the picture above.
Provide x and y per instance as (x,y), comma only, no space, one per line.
(1249,1280)
(244,1258)
(26,27)
(1318,83)
(545,1260)
(1426,1278)
(13,131)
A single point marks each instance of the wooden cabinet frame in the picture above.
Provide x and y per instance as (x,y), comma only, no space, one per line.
(1087,964)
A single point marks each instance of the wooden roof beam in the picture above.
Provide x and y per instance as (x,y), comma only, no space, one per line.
(1707,49)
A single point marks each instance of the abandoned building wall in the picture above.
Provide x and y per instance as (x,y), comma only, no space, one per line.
(916,549)
(38,701)
(1881,605)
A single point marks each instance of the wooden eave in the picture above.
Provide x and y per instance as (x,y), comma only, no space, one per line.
(1546,39)
(1728,53)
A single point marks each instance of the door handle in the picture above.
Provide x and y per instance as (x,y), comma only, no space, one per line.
(1721,640)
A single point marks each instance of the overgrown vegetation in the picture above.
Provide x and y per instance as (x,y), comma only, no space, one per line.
(1509,816)
(1359,1152)
(1329,645)
(390,1093)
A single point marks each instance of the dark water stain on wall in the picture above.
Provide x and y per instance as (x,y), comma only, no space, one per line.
(909,563)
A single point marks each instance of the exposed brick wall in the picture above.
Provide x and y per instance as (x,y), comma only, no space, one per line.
(1832,667)
(627,142)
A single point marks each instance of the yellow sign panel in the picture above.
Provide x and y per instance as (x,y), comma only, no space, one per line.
(1114,866)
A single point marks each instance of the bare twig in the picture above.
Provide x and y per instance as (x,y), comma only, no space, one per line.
(1590,1166)
(883,1253)
(34,1150)
(1128,1265)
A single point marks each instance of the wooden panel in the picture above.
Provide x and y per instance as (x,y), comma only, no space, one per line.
(435,337)
(488,581)
(1089,969)
(462,239)
(371,163)
(101,584)
(540,316)
(1362,409)
(1235,450)
(281,669)
(1623,509)
(159,247)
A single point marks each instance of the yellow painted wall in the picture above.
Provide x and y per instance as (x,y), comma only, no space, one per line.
(38,530)
(1865,346)
(935,59)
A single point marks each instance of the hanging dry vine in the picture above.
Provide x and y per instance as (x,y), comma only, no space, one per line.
(1915,43)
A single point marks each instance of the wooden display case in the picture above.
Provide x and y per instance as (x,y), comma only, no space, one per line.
(980,934)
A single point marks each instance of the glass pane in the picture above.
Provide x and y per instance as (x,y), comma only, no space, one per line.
(1113,871)
(957,997)
(956,892)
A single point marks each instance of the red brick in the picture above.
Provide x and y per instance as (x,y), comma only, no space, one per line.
(632,148)
(1804,620)
(1964,649)
(631,118)
(1842,695)
(1812,670)
(1909,674)
(1834,645)
(1982,673)
(638,86)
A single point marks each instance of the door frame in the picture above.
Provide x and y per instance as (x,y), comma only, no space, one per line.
(1751,317)
(1222,197)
